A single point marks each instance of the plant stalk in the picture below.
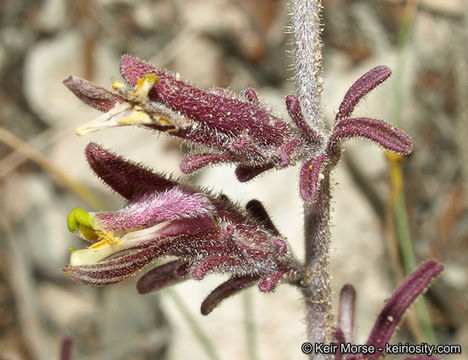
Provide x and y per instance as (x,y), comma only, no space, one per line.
(317,290)
(306,25)
(306,16)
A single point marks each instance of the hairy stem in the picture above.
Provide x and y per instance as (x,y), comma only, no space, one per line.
(317,291)
(308,56)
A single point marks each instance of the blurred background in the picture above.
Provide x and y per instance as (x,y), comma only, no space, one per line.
(382,228)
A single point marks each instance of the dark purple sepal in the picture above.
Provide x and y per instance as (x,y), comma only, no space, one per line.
(387,136)
(309,177)
(361,88)
(93,95)
(123,176)
(163,276)
(401,300)
(232,286)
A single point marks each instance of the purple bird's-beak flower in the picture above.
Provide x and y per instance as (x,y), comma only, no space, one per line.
(205,233)
(234,128)
(390,316)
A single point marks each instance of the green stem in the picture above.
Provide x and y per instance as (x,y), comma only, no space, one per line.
(409,263)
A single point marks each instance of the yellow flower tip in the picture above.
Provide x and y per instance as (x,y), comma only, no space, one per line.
(117,85)
(144,85)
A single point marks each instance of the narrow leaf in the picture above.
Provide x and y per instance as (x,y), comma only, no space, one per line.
(401,300)
(361,88)
(225,290)
(387,136)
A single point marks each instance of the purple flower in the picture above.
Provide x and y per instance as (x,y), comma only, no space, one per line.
(233,128)
(203,232)
(389,318)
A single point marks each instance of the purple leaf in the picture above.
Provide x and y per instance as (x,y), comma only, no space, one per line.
(387,136)
(401,300)
(360,88)
(162,276)
(123,176)
(225,290)
(93,95)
